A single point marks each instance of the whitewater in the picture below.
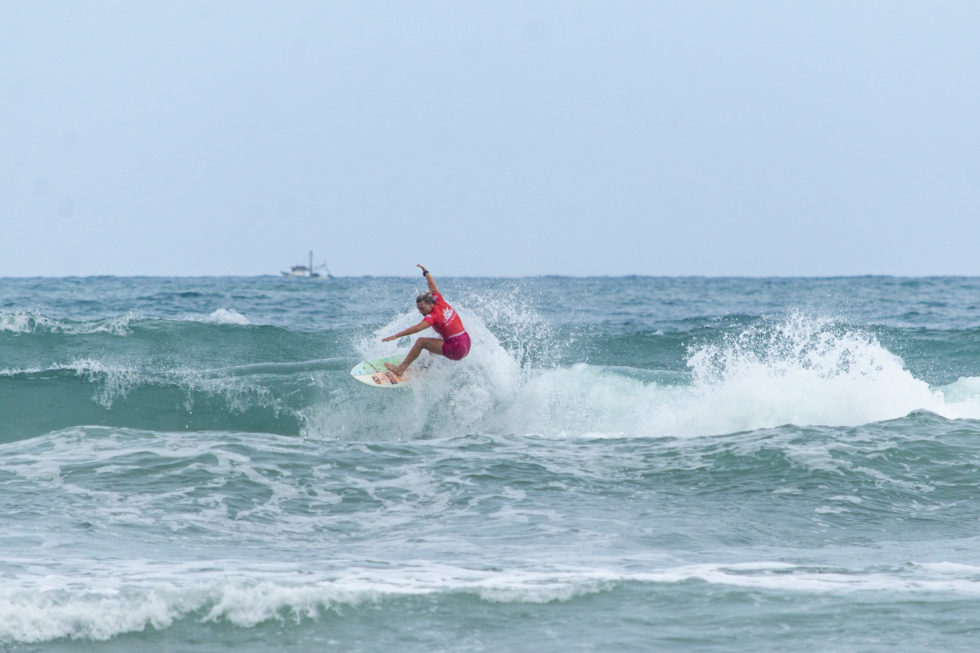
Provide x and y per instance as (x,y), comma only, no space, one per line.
(620,463)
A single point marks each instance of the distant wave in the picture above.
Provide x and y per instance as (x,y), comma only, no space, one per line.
(25,321)
(34,322)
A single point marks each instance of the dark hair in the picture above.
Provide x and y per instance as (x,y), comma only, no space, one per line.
(425,297)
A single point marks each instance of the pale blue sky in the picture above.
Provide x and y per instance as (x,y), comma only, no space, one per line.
(496,139)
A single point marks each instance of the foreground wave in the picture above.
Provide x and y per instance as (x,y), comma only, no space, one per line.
(285,530)
(156,598)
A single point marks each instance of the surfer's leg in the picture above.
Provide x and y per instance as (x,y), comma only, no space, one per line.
(433,345)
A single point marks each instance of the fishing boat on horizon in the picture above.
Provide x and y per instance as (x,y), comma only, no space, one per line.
(308,271)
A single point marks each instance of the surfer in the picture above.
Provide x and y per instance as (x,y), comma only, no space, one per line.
(455,342)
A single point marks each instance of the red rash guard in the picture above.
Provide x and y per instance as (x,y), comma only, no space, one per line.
(444,319)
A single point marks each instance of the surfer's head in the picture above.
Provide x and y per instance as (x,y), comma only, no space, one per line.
(425,303)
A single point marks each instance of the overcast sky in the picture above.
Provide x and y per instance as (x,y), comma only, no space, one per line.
(490,138)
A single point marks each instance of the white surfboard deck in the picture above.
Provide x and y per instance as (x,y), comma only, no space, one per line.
(375,374)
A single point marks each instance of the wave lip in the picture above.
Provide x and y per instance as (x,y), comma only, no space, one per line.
(227,316)
(803,372)
(812,372)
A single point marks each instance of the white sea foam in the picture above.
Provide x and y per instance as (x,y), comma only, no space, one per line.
(227,316)
(87,600)
(913,578)
(21,321)
(19,371)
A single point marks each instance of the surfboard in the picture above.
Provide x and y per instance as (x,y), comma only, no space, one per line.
(375,374)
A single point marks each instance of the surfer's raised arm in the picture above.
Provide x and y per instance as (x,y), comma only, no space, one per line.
(428,277)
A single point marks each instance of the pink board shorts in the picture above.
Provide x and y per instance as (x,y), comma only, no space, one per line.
(457,347)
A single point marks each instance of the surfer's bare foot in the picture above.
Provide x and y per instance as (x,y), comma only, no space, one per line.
(395,369)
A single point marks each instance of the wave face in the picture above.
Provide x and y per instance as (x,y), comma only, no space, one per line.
(187,464)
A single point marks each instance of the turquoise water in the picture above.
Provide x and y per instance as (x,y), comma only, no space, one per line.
(621,463)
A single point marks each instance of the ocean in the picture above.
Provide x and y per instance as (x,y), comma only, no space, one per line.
(620,464)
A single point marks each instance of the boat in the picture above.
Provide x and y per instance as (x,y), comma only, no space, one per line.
(307,271)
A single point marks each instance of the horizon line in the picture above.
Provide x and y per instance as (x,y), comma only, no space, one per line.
(526,276)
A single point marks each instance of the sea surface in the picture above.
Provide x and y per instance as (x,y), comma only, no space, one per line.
(621,464)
